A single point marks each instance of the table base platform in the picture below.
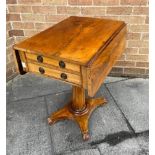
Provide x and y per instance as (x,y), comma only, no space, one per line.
(78,110)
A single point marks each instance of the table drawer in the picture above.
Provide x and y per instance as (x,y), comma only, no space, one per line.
(64,76)
(57,63)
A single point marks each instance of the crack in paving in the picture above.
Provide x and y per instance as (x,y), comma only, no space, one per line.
(118,137)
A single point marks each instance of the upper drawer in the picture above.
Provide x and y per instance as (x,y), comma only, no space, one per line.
(54,62)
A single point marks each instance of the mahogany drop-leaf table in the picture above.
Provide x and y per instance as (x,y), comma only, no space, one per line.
(80,51)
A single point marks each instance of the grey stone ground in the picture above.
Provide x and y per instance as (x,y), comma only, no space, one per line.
(117,128)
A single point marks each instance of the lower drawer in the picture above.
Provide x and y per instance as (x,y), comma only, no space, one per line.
(64,76)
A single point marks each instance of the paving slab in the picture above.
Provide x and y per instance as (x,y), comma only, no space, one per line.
(66,135)
(84,152)
(127,147)
(9,95)
(27,130)
(133,99)
(143,141)
(31,85)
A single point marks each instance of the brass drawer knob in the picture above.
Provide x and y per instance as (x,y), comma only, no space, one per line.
(62,64)
(63,76)
(41,70)
(40,58)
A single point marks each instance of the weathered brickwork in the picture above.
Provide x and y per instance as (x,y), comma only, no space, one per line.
(27,17)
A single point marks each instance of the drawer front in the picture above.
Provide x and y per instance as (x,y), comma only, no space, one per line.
(64,76)
(57,63)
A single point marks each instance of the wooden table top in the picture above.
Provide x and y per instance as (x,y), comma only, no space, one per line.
(75,39)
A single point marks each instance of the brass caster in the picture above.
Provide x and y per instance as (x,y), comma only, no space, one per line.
(86,136)
(105,101)
(50,122)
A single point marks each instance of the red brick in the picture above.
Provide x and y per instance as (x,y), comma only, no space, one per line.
(134,71)
(117,70)
(141,10)
(9,41)
(7,59)
(143,51)
(139,28)
(122,57)
(107,17)
(16,33)
(125,64)
(42,26)
(80,2)
(11,1)
(147,20)
(29,2)
(142,64)
(33,17)
(137,57)
(8,50)
(9,54)
(133,36)
(93,10)
(44,9)
(13,17)
(133,19)
(10,58)
(145,36)
(131,51)
(22,25)
(20,38)
(133,2)
(147,71)
(8,26)
(68,10)
(9,72)
(135,43)
(29,33)
(11,64)
(119,10)
(106,2)
(19,9)
(55,18)
(54,2)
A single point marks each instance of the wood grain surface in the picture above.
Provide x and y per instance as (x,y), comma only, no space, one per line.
(76,39)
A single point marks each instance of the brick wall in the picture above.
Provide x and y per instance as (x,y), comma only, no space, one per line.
(27,17)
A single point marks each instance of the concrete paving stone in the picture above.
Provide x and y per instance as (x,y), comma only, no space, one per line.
(30,85)
(127,147)
(9,95)
(84,152)
(27,131)
(133,99)
(143,142)
(66,135)
(110,79)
